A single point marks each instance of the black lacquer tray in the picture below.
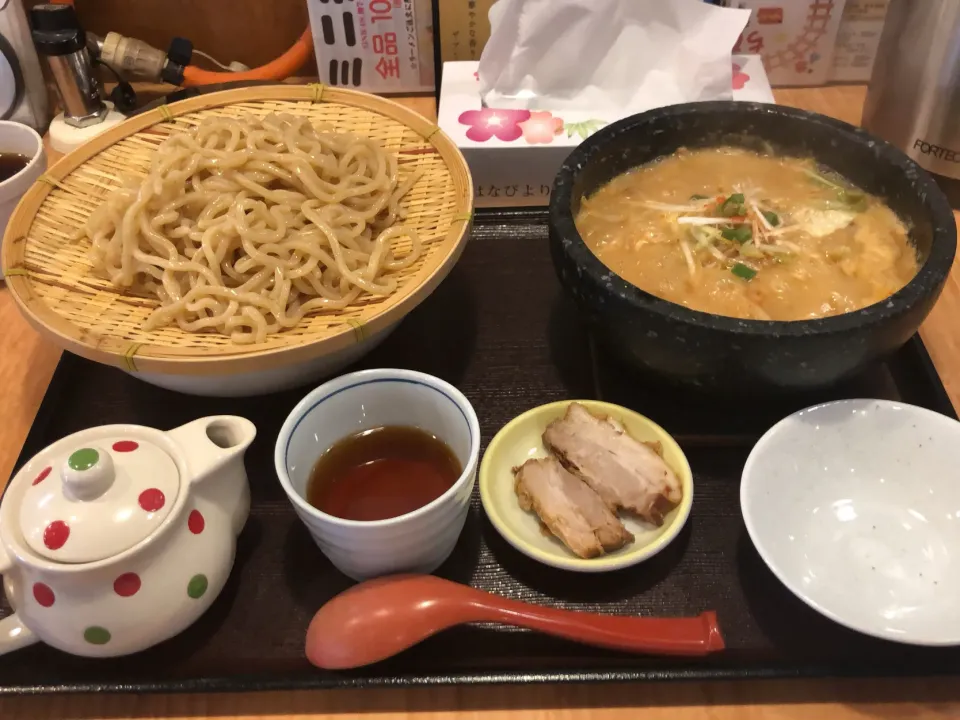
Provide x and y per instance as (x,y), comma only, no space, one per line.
(500,328)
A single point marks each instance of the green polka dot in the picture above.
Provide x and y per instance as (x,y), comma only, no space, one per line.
(197,586)
(83,459)
(96,635)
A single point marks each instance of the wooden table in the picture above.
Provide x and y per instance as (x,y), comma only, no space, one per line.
(27,362)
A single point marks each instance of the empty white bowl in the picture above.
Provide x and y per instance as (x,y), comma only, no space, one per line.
(418,541)
(855,507)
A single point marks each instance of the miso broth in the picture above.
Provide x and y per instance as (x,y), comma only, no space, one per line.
(732,232)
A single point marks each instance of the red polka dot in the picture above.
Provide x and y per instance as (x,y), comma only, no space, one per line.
(196,522)
(42,476)
(151,500)
(43,594)
(127,584)
(125,446)
(56,534)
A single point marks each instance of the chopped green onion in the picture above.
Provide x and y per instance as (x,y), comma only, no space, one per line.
(853,199)
(743,271)
(733,206)
(771,217)
(698,197)
(739,233)
(816,176)
(856,201)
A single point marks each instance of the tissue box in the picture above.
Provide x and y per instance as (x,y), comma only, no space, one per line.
(514,154)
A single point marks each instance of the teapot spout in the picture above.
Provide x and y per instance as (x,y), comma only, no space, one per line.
(209,443)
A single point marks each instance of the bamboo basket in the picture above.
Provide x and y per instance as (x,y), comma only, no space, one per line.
(53,283)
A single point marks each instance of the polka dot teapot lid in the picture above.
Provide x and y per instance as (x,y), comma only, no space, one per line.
(98,497)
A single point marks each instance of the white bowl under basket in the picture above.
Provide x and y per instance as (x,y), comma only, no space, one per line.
(52,280)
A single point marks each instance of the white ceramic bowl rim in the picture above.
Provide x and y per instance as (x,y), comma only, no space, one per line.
(756,537)
(34,159)
(358,379)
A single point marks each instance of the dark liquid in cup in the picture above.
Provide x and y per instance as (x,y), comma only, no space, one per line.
(11,164)
(382,473)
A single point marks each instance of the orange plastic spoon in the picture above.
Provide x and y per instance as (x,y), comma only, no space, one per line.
(379,618)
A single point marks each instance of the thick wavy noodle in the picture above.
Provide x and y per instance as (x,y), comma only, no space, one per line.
(243,226)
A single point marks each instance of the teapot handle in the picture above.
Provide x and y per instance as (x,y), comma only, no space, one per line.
(13,633)
(211,442)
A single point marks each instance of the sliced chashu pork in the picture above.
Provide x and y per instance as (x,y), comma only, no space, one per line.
(570,510)
(623,471)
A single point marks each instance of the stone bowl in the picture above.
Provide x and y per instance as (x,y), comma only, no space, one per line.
(720,353)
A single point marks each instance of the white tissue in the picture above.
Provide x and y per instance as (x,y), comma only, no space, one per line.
(613,56)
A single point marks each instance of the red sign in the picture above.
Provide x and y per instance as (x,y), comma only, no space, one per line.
(770,16)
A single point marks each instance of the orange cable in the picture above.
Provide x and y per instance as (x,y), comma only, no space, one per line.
(279,69)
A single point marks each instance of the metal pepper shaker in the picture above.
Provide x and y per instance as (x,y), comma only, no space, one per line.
(59,37)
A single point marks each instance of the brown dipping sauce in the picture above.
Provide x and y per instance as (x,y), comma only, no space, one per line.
(11,164)
(382,473)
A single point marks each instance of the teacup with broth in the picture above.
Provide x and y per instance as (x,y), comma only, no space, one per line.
(380,466)
(22,161)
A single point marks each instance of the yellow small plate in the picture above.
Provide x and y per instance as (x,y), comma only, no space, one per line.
(520,440)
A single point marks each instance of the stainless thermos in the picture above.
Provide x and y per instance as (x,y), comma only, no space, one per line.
(913,100)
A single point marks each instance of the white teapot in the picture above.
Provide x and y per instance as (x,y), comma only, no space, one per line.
(116,538)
